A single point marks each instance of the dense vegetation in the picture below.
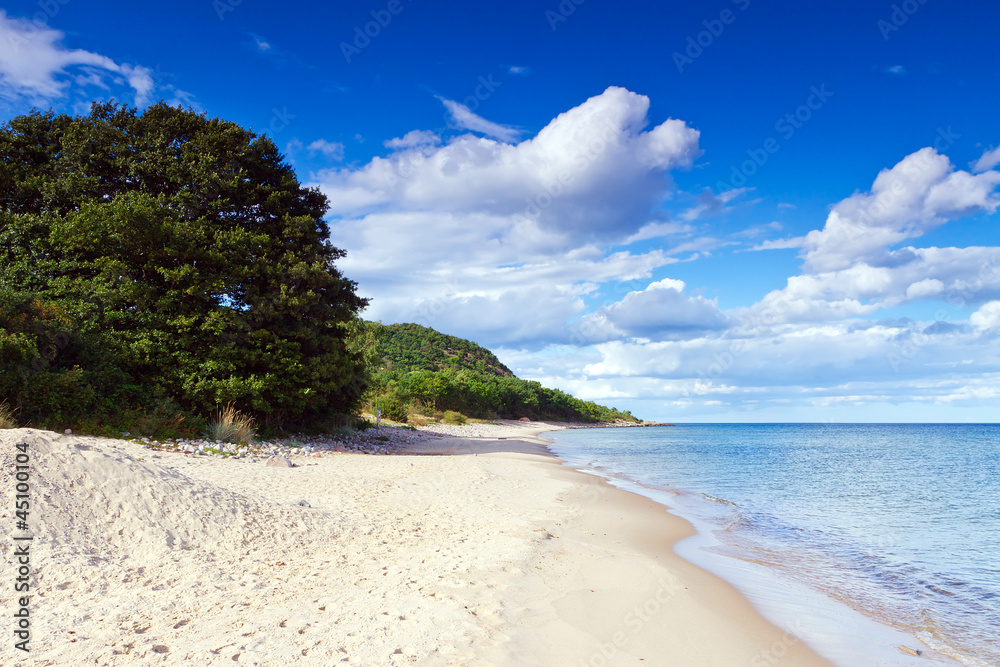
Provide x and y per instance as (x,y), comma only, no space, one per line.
(418,371)
(411,347)
(165,263)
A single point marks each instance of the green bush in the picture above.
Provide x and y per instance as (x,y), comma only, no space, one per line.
(167,256)
(51,372)
(452,417)
(394,407)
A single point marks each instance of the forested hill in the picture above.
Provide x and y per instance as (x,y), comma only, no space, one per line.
(411,347)
(418,374)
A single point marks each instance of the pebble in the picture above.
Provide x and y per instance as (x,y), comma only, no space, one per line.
(279,462)
(383,441)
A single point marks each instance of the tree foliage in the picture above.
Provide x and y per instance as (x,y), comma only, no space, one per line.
(181,248)
(413,347)
(418,366)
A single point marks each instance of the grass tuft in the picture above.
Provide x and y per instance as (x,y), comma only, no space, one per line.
(6,416)
(231,425)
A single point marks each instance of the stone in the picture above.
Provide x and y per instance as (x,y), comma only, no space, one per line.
(302,503)
(278,461)
(524,419)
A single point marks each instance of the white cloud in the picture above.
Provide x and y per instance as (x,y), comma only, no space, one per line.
(591,171)
(896,69)
(333,150)
(780,244)
(799,355)
(987,317)
(924,288)
(475,225)
(949,275)
(989,159)
(662,310)
(524,71)
(182,98)
(465,119)
(412,139)
(141,80)
(711,204)
(653,230)
(35,65)
(757,230)
(261,45)
(920,193)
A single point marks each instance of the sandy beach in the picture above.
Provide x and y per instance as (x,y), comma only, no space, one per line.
(454,550)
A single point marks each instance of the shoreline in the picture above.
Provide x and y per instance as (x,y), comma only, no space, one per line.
(498,554)
(677,597)
(838,631)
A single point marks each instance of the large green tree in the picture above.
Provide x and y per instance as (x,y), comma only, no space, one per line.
(183,247)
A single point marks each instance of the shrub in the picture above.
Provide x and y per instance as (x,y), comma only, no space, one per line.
(452,417)
(394,408)
(231,425)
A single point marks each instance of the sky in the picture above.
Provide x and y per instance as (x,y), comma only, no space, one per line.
(725,211)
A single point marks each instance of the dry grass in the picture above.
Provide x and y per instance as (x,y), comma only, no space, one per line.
(6,416)
(231,425)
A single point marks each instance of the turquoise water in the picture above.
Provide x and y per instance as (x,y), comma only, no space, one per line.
(899,521)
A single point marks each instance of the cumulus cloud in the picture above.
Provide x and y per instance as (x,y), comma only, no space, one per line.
(662,310)
(987,317)
(592,171)
(918,194)
(851,267)
(474,225)
(34,64)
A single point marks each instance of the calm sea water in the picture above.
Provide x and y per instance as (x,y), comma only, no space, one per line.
(899,521)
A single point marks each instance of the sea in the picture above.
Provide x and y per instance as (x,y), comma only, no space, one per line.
(868,541)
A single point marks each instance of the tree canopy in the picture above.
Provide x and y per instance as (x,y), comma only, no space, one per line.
(167,256)
(416,368)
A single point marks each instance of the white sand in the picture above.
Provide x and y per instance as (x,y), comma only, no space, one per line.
(498,556)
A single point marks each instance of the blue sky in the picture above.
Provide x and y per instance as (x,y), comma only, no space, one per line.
(708,211)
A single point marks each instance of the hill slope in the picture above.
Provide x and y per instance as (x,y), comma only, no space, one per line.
(417,370)
(411,347)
